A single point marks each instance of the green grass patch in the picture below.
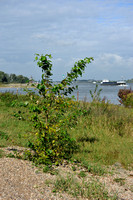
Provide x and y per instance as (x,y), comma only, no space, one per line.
(105,135)
(15,126)
(102,131)
(82,174)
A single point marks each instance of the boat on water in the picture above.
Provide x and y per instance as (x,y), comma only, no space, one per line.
(121,82)
(107,82)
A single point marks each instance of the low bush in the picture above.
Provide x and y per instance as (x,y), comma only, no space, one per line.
(126,97)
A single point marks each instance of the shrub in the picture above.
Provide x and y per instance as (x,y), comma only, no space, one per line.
(126,97)
(51,113)
(129,100)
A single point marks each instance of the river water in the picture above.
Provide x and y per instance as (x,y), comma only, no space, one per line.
(109,92)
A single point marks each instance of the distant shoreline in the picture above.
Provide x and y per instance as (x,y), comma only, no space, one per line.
(16,85)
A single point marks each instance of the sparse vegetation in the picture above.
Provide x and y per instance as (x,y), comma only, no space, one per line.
(91,189)
(121,181)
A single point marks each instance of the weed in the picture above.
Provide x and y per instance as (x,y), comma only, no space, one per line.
(90,189)
(50,169)
(82,174)
(1,153)
(95,169)
(54,172)
(10,155)
(64,184)
(121,181)
(46,169)
(73,168)
(27,155)
(96,94)
(15,154)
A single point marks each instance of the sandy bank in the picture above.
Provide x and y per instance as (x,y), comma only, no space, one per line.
(16,85)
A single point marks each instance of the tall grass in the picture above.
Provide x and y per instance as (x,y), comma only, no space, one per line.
(103,131)
(105,134)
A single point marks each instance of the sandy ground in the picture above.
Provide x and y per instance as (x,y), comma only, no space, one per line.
(15,85)
(20,180)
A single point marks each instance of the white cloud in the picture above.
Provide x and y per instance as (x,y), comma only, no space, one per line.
(112,66)
(68,29)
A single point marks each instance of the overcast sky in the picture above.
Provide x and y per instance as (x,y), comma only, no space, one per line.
(69,30)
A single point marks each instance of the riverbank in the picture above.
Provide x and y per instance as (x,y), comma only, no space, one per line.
(13,85)
(103,131)
(16,85)
(100,168)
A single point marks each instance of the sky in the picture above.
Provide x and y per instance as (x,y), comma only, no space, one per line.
(69,30)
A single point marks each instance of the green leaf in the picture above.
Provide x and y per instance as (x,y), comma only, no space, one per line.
(43,58)
(36,58)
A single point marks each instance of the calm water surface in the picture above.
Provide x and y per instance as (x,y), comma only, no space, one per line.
(109,92)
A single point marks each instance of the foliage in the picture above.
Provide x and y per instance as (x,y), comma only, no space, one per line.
(129,100)
(52,142)
(12,78)
(126,97)
(4,77)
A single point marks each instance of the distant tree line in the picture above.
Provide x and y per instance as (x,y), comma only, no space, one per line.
(130,81)
(12,78)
